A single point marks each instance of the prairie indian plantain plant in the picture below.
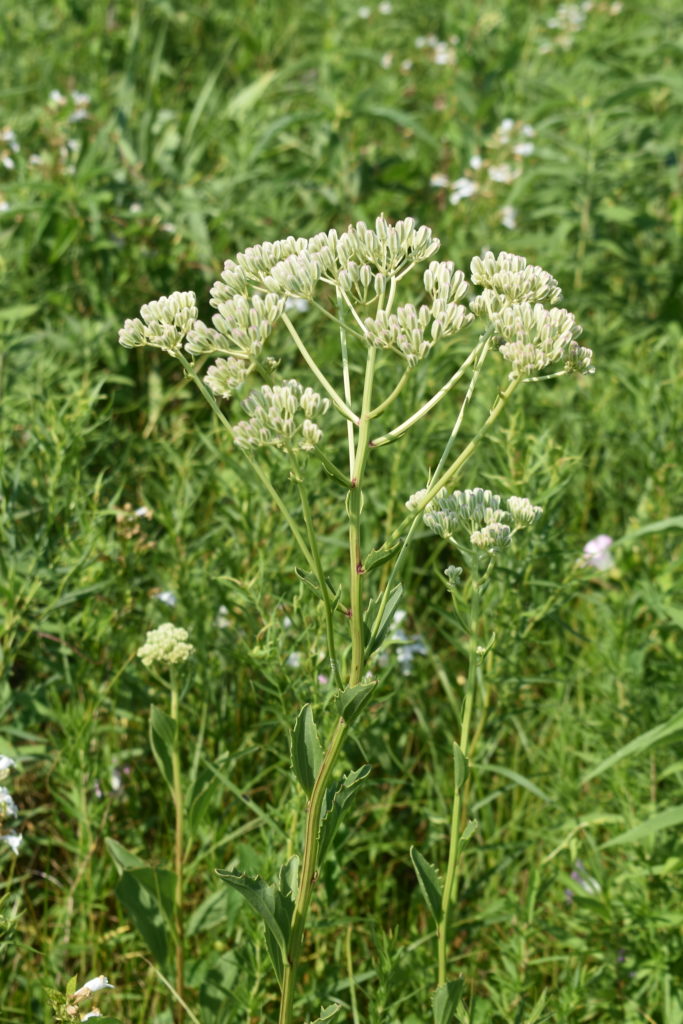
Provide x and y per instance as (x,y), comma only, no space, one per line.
(511,327)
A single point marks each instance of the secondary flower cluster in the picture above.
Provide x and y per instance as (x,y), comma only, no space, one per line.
(167,644)
(8,808)
(477,516)
(531,336)
(281,416)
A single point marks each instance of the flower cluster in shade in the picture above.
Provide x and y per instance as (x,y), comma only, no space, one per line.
(167,644)
(476,518)
(8,808)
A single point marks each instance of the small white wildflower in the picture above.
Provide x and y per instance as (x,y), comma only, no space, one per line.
(167,597)
(8,163)
(502,173)
(406,65)
(439,180)
(167,643)
(13,841)
(286,622)
(168,226)
(143,512)
(523,148)
(35,160)
(81,99)
(6,764)
(57,98)
(364,13)
(294,659)
(385,7)
(476,161)
(386,60)
(92,986)
(79,114)
(4,206)
(222,617)
(443,54)
(528,131)
(597,553)
(461,189)
(506,125)
(508,217)
(135,208)
(8,808)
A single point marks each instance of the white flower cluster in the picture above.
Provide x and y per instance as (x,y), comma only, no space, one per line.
(478,516)
(8,808)
(532,337)
(282,417)
(166,323)
(167,643)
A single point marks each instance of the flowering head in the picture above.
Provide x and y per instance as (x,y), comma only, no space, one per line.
(167,644)
(475,519)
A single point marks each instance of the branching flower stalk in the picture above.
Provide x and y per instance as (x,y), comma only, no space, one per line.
(353,280)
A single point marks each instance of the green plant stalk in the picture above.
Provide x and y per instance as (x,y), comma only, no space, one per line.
(178,855)
(335,398)
(309,865)
(450,887)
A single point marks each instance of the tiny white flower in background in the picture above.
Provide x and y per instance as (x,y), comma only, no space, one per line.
(167,597)
(461,189)
(476,162)
(616,8)
(222,618)
(508,217)
(168,226)
(167,644)
(79,114)
(524,148)
(4,206)
(8,808)
(81,99)
(8,163)
(294,659)
(501,173)
(92,1013)
(92,986)
(364,13)
(6,763)
(528,131)
(13,841)
(57,98)
(135,208)
(439,180)
(387,60)
(597,553)
(296,305)
(420,42)
(385,7)
(443,53)
(406,65)
(286,622)
(35,160)
(143,512)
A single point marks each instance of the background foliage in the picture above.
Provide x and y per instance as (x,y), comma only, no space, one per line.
(178,135)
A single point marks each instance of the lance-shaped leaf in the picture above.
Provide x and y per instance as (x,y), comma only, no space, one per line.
(381,555)
(148,895)
(379,633)
(445,1002)
(327,1013)
(354,699)
(429,882)
(274,909)
(307,753)
(162,734)
(334,803)
(460,767)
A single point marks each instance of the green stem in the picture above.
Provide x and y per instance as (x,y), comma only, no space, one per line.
(336,399)
(178,854)
(309,871)
(253,465)
(450,887)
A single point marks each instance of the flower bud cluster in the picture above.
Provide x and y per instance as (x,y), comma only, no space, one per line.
(389,247)
(531,336)
(166,322)
(167,644)
(444,283)
(281,416)
(242,323)
(478,515)
(405,331)
(226,376)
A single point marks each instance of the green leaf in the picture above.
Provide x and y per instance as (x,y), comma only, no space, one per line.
(162,735)
(242,102)
(288,879)
(381,555)
(460,767)
(354,699)
(638,745)
(378,635)
(429,882)
(519,780)
(327,1013)
(334,803)
(672,817)
(445,1001)
(123,859)
(469,830)
(274,909)
(307,753)
(148,897)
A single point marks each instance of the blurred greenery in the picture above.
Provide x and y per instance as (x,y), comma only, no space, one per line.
(142,143)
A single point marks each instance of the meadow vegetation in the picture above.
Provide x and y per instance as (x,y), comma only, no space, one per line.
(142,144)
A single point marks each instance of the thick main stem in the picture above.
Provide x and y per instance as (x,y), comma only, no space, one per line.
(450,886)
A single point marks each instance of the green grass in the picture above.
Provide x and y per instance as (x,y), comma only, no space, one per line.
(210,128)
